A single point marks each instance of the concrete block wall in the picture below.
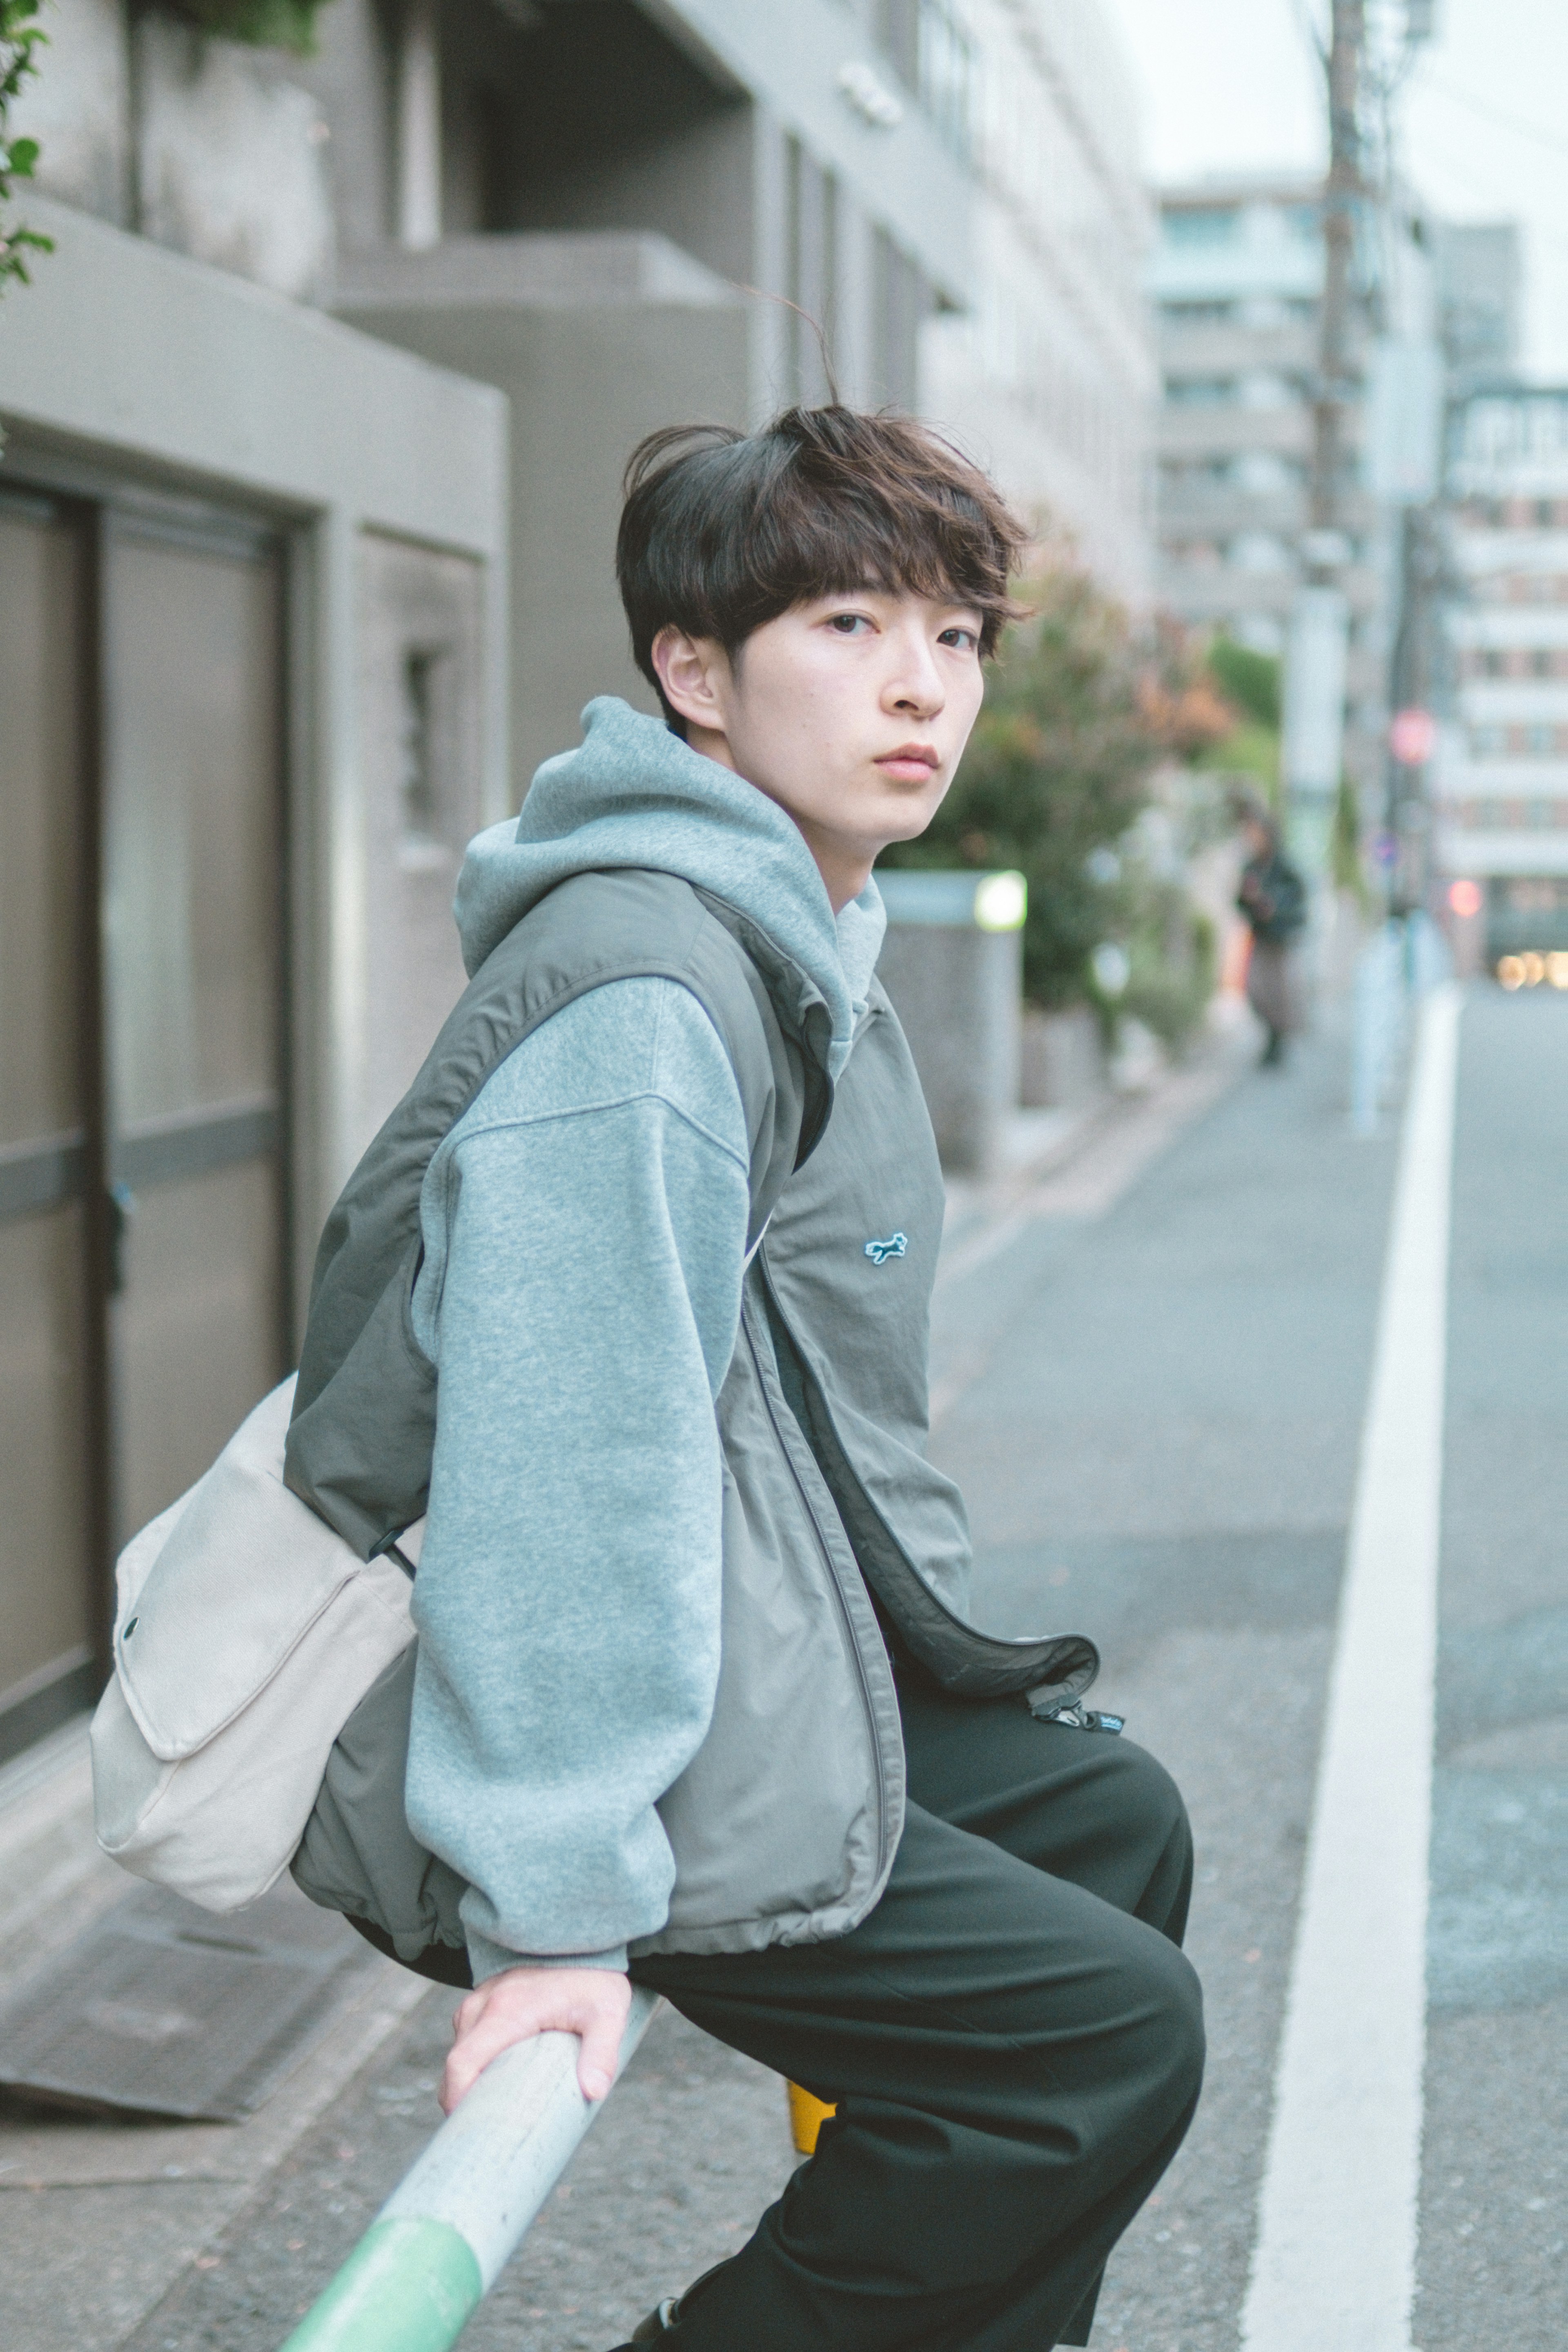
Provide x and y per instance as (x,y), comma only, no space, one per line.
(953,964)
(209,147)
(956,994)
(595,339)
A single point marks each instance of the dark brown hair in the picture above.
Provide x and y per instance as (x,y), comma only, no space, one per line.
(723,532)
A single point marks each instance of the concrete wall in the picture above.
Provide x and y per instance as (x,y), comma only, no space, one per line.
(595,340)
(79,108)
(1047,374)
(124,365)
(791,59)
(229,159)
(957,991)
(210,147)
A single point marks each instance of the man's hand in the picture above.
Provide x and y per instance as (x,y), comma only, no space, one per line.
(521,2002)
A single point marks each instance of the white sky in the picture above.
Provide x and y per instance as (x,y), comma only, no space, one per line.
(1233,84)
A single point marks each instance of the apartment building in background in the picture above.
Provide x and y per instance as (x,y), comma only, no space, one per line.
(1501,777)
(1481,297)
(1047,370)
(315,425)
(1237,286)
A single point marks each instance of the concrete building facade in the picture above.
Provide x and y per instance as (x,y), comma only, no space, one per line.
(1238,283)
(252,679)
(1501,777)
(626,215)
(290,601)
(629,216)
(1048,369)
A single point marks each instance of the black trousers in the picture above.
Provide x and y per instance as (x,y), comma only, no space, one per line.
(1013,2040)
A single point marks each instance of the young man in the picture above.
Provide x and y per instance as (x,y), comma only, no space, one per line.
(696,1702)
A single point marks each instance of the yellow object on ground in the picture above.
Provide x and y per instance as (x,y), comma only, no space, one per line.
(806,2117)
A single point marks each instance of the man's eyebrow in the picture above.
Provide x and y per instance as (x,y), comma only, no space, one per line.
(952,600)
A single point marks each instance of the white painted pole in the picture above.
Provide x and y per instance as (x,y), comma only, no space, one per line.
(447,2231)
(493,2163)
(1335,2260)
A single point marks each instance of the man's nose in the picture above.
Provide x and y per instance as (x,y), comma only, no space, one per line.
(916,683)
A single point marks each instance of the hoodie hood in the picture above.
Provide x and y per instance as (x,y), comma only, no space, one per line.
(633,794)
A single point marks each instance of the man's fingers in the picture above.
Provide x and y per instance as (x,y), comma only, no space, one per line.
(492,2033)
(519,2004)
(601,2048)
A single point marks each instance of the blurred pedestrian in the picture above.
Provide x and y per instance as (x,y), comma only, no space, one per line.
(1273,898)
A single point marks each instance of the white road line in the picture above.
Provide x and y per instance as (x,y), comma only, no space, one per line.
(1334,2269)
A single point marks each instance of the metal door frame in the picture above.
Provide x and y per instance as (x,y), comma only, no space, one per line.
(97,506)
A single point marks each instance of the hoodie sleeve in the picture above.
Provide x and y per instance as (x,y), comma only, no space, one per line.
(584,1234)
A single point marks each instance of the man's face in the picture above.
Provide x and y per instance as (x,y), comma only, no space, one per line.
(851,712)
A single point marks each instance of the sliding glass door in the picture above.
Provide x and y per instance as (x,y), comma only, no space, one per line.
(143,1192)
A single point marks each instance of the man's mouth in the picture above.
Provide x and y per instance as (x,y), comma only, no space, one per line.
(911,763)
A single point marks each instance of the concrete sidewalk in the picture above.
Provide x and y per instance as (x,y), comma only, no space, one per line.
(97,2218)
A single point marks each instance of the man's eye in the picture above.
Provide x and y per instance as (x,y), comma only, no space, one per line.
(967,640)
(849,625)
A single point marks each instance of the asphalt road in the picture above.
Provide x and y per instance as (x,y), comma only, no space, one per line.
(1154,1402)
(1496,2169)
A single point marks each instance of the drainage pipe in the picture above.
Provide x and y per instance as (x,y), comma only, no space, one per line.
(447,2231)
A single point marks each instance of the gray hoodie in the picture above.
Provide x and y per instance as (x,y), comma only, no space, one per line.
(583,1227)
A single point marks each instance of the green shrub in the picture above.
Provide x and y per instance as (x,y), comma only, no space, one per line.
(261,24)
(19,36)
(1058,767)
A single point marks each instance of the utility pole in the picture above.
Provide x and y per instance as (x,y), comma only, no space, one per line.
(1318,646)
(1342,197)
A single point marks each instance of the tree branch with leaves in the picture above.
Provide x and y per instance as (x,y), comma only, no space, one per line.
(20,34)
(1079,712)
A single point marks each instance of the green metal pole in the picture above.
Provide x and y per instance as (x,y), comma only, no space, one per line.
(446,2231)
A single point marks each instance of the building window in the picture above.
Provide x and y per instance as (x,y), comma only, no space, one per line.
(1198,314)
(1200,391)
(1303,222)
(1534,895)
(1541,742)
(416,743)
(947,74)
(813,201)
(1259,550)
(898,31)
(1487,742)
(899,302)
(1201,224)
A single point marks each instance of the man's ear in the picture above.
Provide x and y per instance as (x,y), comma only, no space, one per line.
(691,670)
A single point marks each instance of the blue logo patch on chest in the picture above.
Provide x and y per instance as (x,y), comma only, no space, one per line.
(881,1251)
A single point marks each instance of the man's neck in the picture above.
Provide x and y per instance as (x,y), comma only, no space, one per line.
(845,868)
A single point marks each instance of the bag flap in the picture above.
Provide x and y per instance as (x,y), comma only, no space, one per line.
(132,1568)
(241,1573)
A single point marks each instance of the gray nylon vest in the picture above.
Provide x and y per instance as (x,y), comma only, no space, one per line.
(785,1824)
